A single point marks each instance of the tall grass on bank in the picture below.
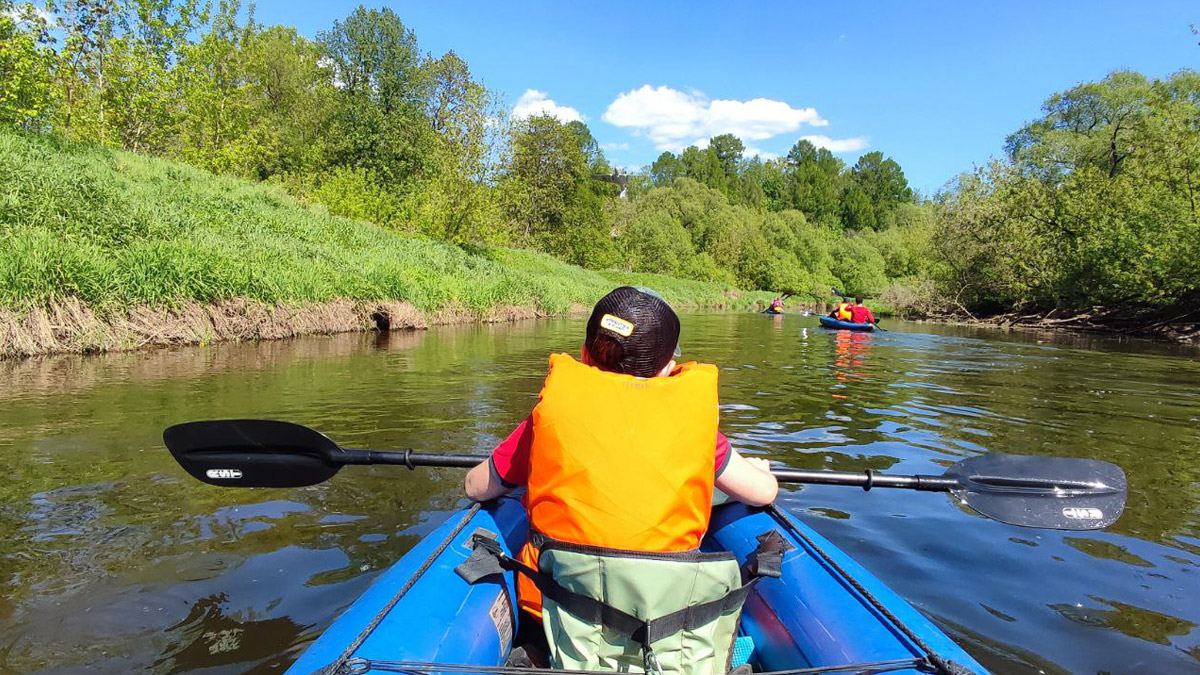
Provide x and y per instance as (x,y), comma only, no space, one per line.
(116,231)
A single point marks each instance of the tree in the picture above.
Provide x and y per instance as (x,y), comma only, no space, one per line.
(666,169)
(1092,124)
(858,213)
(728,150)
(379,121)
(216,114)
(593,156)
(816,181)
(25,62)
(544,172)
(883,182)
(456,204)
(290,92)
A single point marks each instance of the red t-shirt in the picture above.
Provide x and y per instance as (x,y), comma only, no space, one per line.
(510,459)
(860,314)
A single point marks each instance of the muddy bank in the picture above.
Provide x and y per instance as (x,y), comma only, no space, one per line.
(71,326)
(1179,326)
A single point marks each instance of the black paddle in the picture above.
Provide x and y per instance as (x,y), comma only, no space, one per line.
(1051,492)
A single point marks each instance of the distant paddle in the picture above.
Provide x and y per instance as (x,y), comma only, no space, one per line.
(1049,492)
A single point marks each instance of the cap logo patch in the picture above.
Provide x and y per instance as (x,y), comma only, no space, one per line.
(617,325)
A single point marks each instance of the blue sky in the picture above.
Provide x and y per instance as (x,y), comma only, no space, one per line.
(937,86)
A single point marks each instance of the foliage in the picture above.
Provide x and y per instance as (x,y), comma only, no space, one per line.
(1095,204)
(25,64)
(365,123)
(116,230)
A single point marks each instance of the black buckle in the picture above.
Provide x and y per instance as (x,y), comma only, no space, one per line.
(767,559)
(484,562)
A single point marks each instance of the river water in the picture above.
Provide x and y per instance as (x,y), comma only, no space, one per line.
(113,561)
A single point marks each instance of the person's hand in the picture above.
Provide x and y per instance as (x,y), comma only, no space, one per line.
(759,463)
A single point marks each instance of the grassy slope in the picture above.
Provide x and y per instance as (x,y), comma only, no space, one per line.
(117,230)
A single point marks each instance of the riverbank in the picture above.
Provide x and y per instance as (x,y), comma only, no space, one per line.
(1176,328)
(70,326)
(106,250)
(1171,326)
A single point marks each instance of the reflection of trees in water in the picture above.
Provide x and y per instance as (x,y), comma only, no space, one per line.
(1136,622)
(71,373)
(100,547)
(998,657)
(207,638)
(93,505)
(1135,410)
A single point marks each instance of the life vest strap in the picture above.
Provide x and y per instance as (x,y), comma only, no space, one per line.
(488,559)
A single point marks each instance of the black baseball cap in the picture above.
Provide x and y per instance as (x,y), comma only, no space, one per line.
(633,330)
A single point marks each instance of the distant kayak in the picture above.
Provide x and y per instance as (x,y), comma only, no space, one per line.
(773,311)
(830,322)
(823,610)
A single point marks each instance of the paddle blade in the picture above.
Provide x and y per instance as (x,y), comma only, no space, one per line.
(253,453)
(1060,493)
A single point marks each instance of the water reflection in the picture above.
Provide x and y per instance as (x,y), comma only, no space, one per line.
(113,560)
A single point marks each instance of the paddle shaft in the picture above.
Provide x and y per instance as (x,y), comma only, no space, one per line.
(863,479)
(866,480)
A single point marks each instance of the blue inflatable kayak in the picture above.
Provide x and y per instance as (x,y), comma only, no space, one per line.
(825,610)
(830,322)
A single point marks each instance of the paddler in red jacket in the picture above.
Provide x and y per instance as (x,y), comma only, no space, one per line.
(622,451)
(859,312)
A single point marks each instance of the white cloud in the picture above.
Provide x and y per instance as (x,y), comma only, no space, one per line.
(752,151)
(851,144)
(534,102)
(614,146)
(673,119)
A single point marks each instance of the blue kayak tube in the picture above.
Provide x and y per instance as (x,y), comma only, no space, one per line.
(830,322)
(824,611)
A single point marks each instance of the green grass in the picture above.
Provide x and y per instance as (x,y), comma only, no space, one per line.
(119,230)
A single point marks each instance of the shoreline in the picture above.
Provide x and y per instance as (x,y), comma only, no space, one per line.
(72,327)
(1116,323)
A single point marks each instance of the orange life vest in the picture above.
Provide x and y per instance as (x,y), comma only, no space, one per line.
(843,311)
(620,461)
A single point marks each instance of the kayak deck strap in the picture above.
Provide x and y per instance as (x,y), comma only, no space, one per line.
(344,659)
(932,662)
(488,559)
(358,666)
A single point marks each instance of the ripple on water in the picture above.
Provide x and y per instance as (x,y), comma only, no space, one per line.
(115,560)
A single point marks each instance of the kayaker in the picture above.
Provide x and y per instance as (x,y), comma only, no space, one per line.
(777,305)
(859,313)
(843,310)
(622,453)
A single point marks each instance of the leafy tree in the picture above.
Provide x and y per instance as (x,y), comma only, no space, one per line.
(858,213)
(291,95)
(727,150)
(545,171)
(1093,124)
(883,183)
(216,115)
(816,181)
(25,63)
(666,169)
(378,121)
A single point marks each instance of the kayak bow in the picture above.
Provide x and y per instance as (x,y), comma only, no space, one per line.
(824,611)
(830,322)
